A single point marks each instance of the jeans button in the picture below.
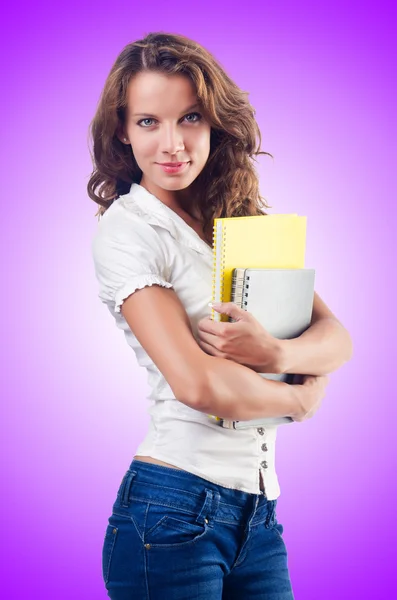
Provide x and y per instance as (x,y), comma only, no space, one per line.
(261,431)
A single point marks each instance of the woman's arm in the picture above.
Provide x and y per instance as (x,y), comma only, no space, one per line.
(209,384)
(321,349)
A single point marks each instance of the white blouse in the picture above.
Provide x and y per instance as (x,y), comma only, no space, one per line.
(139,242)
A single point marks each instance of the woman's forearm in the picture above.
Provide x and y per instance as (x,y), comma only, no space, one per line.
(323,348)
(235,392)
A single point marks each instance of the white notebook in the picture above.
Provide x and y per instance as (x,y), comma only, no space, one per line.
(282,301)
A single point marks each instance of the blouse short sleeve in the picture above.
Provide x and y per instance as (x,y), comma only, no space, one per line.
(128,256)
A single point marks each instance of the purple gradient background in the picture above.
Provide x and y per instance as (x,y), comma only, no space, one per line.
(323,82)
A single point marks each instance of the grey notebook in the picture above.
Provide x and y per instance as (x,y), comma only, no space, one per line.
(282,301)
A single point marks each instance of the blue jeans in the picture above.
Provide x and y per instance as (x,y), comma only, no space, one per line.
(175,536)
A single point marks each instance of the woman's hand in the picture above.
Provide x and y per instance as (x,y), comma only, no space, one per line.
(243,341)
(309,396)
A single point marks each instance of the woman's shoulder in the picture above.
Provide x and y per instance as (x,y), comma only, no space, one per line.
(123,209)
(123,237)
(124,218)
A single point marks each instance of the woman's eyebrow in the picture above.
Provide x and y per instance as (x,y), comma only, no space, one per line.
(196,105)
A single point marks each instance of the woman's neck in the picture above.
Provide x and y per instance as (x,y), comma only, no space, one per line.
(181,202)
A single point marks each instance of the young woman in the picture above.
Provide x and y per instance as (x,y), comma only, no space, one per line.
(173,146)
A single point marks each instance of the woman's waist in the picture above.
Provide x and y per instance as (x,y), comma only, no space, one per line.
(175,430)
(172,409)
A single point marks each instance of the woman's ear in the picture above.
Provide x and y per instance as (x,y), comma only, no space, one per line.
(122,137)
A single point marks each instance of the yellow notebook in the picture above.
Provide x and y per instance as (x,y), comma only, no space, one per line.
(264,241)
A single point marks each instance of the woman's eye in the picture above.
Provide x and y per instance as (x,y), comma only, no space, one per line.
(193,115)
(142,121)
(190,118)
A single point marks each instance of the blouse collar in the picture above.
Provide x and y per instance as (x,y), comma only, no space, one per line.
(155,212)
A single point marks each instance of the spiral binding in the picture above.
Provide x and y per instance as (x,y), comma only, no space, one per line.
(219,240)
(218,266)
(246,286)
(214,252)
(238,286)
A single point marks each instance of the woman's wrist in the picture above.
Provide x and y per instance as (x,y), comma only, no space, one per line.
(296,403)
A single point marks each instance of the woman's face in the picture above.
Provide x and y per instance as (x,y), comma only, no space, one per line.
(164,124)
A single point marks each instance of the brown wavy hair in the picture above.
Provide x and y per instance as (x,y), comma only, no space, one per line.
(228,184)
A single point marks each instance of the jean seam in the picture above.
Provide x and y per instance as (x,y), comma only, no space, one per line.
(112,541)
(158,503)
(167,487)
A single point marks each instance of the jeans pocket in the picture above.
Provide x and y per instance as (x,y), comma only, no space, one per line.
(278,529)
(172,526)
(107,550)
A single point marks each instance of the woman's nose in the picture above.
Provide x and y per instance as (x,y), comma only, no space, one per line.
(171,140)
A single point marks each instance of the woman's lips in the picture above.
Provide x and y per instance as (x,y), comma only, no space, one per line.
(173,167)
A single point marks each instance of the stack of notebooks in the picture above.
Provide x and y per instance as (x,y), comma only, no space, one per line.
(259,265)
